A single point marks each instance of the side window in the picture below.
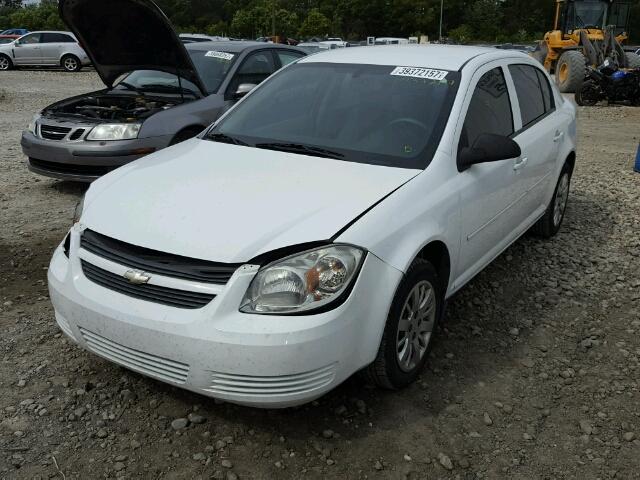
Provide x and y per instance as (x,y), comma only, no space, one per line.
(254,69)
(547,95)
(531,98)
(56,38)
(287,56)
(489,110)
(30,39)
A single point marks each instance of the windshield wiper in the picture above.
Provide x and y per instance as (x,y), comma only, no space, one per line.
(224,138)
(128,86)
(300,148)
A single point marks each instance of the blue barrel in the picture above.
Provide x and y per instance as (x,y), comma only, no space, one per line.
(637,165)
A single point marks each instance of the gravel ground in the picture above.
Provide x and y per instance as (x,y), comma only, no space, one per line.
(534,373)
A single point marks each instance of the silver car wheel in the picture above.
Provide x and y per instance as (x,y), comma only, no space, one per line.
(70,64)
(415,325)
(562,194)
(4,63)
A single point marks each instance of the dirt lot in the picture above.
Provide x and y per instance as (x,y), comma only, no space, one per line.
(534,375)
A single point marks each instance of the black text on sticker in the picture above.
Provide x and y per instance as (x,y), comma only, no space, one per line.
(428,73)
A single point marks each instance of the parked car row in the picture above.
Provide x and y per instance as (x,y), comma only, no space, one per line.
(44,49)
(312,231)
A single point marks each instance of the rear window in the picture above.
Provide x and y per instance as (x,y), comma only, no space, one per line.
(533,91)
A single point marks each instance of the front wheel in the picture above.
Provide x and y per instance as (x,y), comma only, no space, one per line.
(411,322)
(71,63)
(588,94)
(550,222)
(5,63)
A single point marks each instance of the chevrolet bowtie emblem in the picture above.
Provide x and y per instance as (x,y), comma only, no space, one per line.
(136,278)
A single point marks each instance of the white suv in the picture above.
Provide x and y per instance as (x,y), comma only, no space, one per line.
(44,49)
(318,227)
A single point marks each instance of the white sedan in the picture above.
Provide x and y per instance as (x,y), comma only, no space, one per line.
(317,229)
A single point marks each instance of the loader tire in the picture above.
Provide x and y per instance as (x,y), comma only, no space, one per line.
(633,60)
(570,71)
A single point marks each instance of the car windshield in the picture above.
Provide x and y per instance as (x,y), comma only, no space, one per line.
(212,67)
(377,114)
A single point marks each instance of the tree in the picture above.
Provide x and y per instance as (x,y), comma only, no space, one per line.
(315,25)
(485,18)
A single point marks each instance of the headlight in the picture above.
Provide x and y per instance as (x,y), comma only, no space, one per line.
(114,131)
(303,282)
(77,213)
(32,124)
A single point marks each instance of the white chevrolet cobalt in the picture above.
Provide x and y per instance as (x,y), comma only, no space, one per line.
(317,229)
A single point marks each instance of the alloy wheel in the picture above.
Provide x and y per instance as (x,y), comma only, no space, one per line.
(4,63)
(70,64)
(562,194)
(415,326)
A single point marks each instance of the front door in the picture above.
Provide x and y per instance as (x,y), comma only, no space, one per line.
(26,50)
(488,189)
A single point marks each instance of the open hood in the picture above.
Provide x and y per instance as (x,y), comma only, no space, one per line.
(125,35)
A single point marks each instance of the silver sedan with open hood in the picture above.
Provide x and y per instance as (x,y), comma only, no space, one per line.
(158,91)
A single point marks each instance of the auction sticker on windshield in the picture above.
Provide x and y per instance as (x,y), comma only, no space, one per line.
(428,73)
(215,54)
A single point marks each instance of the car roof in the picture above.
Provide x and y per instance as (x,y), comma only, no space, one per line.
(233,46)
(51,31)
(447,57)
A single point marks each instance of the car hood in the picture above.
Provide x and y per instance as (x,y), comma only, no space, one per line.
(121,36)
(229,203)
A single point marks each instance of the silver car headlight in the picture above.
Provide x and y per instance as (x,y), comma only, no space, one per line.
(33,125)
(115,131)
(304,282)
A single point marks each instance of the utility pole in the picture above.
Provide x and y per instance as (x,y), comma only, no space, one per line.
(441,9)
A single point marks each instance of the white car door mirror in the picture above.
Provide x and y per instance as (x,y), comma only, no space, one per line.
(243,89)
(488,147)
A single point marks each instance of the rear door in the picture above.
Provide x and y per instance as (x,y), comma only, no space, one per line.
(51,46)
(27,51)
(539,137)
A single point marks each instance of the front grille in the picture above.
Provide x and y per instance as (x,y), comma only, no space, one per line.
(225,383)
(151,293)
(153,261)
(142,362)
(77,134)
(70,168)
(51,132)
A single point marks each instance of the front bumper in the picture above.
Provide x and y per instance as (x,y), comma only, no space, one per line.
(257,360)
(84,161)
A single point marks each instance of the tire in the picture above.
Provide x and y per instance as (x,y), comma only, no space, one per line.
(570,71)
(633,60)
(588,94)
(551,221)
(185,134)
(391,369)
(70,63)
(5,63)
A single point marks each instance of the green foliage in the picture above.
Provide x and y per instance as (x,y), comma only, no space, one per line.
(462,34)
(463,20)
(315,25)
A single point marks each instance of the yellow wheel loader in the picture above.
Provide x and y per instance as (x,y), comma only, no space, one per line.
(585,32)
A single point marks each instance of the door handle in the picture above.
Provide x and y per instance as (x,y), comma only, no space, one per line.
(558,136)
(519,163)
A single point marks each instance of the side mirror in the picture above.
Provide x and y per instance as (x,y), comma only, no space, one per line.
(243,89)
(17,43)
(488,147)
